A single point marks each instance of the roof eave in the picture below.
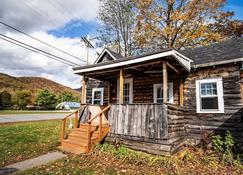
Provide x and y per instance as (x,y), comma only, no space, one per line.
(184,61)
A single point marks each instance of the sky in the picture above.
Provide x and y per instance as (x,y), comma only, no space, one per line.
(60,23)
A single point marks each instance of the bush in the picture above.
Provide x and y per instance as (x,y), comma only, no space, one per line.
(224,146)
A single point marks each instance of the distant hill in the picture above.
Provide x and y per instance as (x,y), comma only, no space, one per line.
(33,84)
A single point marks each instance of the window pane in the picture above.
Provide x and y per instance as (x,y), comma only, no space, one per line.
(97,95)
(208,89)
(209,103)
(126,92)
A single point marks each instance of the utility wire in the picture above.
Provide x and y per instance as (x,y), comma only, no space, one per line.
(39,50)
(34,51)
(40,41)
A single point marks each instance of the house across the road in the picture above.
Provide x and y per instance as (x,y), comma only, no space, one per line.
(160,100)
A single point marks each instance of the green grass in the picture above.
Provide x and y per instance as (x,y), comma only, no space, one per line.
(9,112)
(26,140)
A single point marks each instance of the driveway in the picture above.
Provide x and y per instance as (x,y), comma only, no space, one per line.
(9,118)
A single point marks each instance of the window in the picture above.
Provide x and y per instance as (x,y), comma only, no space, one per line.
(209,94)
(158,93)
(127,91)
(97,96)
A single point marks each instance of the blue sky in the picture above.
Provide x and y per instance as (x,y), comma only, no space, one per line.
(77,28)
(237,7)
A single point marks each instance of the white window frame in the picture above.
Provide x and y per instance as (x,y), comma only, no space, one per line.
(170,89)
(219,84)
(126,80)
(101,96)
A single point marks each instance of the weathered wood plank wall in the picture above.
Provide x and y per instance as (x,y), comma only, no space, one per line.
(153,128)
(141,120)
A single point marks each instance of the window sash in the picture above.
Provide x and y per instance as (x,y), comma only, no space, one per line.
(97,100)
(218,85)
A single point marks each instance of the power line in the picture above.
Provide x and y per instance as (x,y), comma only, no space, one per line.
(40,41)
(39,50)
(34,51)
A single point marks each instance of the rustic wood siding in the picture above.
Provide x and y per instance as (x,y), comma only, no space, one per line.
(231,119)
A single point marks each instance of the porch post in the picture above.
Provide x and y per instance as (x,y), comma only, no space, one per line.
(165,82)
(83,96)
(121,87)
(181,92)
(109,92)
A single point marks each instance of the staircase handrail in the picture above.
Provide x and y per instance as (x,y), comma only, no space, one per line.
(100,113)
(75,120)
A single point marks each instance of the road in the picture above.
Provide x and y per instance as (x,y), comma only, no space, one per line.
(10,118)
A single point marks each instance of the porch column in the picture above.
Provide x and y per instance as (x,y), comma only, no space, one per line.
(121,87)
(83,95)
(181,92)
(108,92)
(165,82)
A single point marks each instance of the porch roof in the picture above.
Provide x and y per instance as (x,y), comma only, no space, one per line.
(162,55)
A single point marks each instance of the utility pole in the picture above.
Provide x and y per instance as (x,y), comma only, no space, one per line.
(88,46)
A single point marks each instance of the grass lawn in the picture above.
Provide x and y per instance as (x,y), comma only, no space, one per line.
(27,140)
(5,112)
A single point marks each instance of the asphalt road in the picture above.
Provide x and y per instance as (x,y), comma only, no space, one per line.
(9,118)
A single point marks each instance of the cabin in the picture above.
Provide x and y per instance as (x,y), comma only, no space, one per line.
(161,101)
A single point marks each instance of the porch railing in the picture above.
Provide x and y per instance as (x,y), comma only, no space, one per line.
(141,120)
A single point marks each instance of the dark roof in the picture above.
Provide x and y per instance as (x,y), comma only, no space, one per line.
(116,55)
(121,59)
(223,51)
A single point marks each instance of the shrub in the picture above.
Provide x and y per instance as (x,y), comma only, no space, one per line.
(224,146)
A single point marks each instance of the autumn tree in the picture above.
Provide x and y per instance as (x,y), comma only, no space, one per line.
(46,99)
(23,97)
(117,25)
(226,26)
(176,23)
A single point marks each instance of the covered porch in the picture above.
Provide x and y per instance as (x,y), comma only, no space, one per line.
(146,99)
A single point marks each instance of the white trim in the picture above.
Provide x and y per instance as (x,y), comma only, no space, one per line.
(102,95)
(186,63)
(219,82)
(102,53)
(171,96)
(218,63)
(126,80)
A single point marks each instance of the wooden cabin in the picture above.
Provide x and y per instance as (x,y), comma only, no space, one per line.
(160,101)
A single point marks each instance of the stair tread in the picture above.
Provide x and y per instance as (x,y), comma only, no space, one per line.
(72,150)
(75,142)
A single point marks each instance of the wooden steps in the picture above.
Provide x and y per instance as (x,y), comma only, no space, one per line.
(78,140)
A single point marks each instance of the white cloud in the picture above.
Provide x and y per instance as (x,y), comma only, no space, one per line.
(20,62)
(17,61)
(36,15)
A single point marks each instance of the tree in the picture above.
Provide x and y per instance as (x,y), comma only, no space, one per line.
(23,97)
(118,24)
(46,99)
(176,23)
(6,99)
(65,96)
(226,26)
